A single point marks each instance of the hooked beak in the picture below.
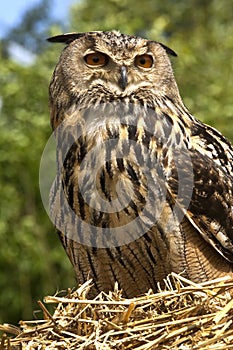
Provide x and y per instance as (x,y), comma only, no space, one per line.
(123,78)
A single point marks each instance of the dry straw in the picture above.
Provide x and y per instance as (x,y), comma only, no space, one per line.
(184,315)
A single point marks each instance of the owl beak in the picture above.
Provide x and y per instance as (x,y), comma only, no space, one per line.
(123,78)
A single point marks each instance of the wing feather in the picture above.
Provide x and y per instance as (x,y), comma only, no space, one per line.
(210,210)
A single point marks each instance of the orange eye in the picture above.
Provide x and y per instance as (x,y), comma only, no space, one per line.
(144,61)
(96,59)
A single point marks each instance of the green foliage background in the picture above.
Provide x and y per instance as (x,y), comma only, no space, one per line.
(32,260)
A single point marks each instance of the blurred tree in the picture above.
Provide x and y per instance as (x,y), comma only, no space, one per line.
(31,29)
(32,261)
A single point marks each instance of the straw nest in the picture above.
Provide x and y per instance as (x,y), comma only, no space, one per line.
(183,316)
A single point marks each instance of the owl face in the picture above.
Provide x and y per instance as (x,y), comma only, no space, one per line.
(115,65)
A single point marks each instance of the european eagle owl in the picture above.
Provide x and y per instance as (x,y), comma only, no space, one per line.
(142,187)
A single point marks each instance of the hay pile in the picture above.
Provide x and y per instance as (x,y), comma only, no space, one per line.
(187,316)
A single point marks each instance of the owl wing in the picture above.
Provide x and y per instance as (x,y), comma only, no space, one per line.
(210,210)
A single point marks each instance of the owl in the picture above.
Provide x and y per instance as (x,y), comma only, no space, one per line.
(142,187)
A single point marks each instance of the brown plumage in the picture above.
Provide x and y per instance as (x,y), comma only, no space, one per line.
(143,188)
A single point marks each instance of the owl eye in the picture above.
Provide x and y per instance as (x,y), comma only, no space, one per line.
(96,59)
(144,61)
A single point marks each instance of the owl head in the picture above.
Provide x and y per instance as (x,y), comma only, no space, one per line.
(111,65)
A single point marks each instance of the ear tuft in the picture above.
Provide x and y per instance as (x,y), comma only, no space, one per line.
(65,38)
(168,50)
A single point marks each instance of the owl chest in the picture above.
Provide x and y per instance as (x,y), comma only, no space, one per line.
(110,182)
(109,174)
